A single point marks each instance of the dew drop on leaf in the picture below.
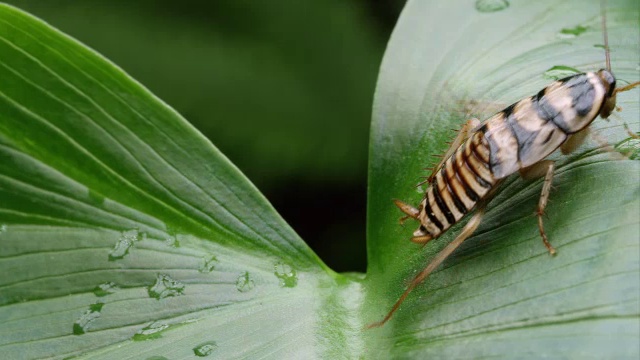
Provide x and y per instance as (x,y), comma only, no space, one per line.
(205,349)
(487,6)
(560,71)
(172,241)
(244,282)
(125,242)
(286,274)
(81,325)
(3,229)
(151,331)
(208,264)
(165,287)
(105,289)
(569,33)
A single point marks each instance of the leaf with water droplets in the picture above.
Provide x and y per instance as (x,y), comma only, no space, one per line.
(87,155)
(165,287)
(105,289)
(244,282)
(205,349)
(81,325)
(568,33)
(151,331)
(208,264)
(286,274)
(558,72)
(125,242)
(106,192)
(489,6)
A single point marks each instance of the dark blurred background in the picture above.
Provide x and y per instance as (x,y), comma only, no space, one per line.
(284,88)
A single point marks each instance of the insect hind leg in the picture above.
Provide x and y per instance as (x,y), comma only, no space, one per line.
(468,229)
(545,167)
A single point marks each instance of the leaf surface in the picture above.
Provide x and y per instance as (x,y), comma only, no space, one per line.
(125,233)
(501,294)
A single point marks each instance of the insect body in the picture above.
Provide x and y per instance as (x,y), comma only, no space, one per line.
(514,139)
(517,139)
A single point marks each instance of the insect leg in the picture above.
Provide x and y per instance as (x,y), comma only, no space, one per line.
(626,126)
(409,210)
(631,133)
(544,167)
(606,146)
(574,141)
(468,229)
(465,132)
(627,87)
(536,170)
(622,89)
(542,204)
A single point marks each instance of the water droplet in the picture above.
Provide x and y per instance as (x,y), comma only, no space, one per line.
(105,289)
(209,264)
(244,282)
(286,274)
(487,6)
(3,229)
(81,325)
(165,287)
(151,331)
(205,349)
(560,71)
(172,241)
(124,244)
(569,33)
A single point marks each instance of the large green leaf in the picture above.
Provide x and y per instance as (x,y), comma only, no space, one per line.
(125,234)
(121,223)
(501,294)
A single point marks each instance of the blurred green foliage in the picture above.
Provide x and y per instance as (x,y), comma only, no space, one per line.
(283,88)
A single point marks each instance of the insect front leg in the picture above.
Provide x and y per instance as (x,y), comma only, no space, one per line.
(607,147)
(538,169)
(574,141)
(631,133)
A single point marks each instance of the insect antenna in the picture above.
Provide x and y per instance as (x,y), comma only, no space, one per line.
(607,55)
(626,87)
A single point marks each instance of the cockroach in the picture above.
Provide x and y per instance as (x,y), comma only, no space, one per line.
(516,139)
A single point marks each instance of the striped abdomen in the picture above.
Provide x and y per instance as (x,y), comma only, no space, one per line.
(462,180)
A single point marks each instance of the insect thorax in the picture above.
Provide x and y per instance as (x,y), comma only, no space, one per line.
(532,128)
